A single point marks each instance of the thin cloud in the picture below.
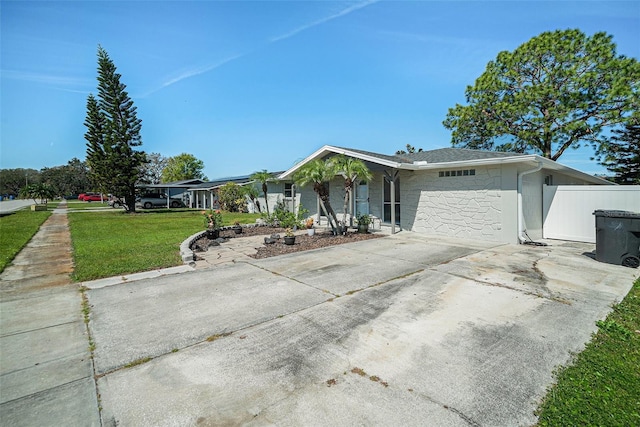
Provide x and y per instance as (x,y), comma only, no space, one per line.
(323,20)
(204,69)
(193,72)
(198,70)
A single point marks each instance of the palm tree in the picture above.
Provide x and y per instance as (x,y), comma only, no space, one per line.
(262,177)
(351,169)
(317,172)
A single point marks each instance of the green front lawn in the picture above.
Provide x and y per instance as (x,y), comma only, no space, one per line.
(16,230)
(113,243)
(602,386)
(78,204)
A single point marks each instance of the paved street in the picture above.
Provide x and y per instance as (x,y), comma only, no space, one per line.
(7,206)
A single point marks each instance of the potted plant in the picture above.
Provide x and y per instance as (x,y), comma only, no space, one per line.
(289,237)
(237,228)
(309,225)
(212,223)
(363,223)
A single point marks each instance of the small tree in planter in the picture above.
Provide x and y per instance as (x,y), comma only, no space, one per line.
(289,237)
(363,223)
(309,226)
(212,223)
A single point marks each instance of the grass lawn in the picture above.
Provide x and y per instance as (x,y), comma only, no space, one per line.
(602,386)
(78,204)
(16,230)
(112,242)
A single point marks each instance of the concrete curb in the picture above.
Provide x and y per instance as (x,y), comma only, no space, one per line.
(127,278)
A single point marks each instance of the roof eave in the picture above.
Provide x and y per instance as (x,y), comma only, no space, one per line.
(467,163)
(328,149)
(532,158)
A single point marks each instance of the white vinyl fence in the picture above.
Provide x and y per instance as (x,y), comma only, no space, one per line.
(568,209)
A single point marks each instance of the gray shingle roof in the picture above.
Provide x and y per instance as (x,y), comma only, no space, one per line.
(446,155)
(440,155)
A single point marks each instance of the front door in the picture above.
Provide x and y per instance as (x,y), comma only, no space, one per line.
(362,198)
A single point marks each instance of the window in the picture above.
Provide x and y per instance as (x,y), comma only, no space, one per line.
(461,172)
(288,190)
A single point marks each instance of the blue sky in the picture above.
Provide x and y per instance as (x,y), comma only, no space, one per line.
(252,85)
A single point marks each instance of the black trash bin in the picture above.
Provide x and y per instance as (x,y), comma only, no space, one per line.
(618,237)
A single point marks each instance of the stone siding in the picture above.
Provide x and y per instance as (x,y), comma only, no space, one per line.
(461,206)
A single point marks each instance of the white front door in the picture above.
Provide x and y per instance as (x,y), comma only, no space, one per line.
(362,198)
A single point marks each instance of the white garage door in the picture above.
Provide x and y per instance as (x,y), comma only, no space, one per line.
(568,209)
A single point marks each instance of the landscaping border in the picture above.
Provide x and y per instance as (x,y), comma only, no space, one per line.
(186,253)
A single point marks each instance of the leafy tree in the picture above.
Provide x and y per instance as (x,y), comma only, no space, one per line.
(151,172)
(352,170)
(622,154)
(182,167)
(317,173)
(40,191)
(560,89)
(113,132)
(410,150)
(231,197)
(263,177)
(13,180)
(68,179)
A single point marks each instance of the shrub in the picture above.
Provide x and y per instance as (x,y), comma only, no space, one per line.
(231,198)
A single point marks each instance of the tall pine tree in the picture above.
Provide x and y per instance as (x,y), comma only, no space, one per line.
(623,154)
(113,132)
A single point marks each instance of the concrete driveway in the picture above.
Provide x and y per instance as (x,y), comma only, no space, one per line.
(404,330)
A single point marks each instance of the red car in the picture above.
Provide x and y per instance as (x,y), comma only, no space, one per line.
(93,198)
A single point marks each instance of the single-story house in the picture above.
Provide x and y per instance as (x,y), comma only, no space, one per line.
(455,192)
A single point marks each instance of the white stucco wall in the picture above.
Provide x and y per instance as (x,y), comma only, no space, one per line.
(461,206)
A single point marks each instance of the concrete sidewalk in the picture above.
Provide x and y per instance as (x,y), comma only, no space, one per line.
(46,371)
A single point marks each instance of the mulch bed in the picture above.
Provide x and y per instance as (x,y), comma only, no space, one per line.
(303,242)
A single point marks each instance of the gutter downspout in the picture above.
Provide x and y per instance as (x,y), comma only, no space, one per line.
(521,237)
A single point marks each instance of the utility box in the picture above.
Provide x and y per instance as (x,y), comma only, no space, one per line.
(618,237)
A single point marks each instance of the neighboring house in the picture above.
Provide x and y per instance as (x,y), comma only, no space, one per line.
(205,194)
(455,192)
(176,189)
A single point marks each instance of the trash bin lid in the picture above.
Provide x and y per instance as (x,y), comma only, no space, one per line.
(616,214)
